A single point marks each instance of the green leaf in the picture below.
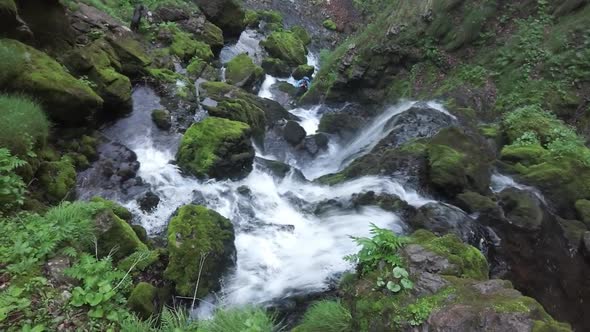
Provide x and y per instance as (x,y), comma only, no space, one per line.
(392,286)
(400,272)
(97,312)
(407,283)
(93,299)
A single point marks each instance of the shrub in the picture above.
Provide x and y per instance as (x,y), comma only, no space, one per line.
(237,320)
(23,124)
(326,316)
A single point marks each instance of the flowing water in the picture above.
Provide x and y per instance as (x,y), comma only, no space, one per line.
(284,246)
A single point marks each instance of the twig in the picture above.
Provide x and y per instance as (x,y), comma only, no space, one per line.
(201,264)
(141,257)
(95,246)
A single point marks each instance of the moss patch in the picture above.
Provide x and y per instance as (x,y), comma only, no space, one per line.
(287,46)
(141,300)
(57,179)
(241,71)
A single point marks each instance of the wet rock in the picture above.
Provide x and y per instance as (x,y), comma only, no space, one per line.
(293,133)
(218,148)
(194,233)
(287,46)
(473,202)
(315,143)
(326,206)
(347,120)
(162,119)
(586,243)
(148,202)
(275,67)
(420,121)
(226,14)
(277,168)
(170,14)
(86,19)
(442,219)
(522,208)
(387,202)
(303,71)
(583,211)
(115,236)
(573,231)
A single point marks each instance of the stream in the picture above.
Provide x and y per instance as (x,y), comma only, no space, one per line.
(284,247)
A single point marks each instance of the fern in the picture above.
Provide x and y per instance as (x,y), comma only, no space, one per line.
(12,187)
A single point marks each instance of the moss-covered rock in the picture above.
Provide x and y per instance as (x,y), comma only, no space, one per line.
(117,208)
(236,104)
(66,100)
(197,233)
(131,54)
(211,34)
(99,64)
(184,45)
(302,71)
(196,67)
(457,162)
(242,72)
(275,67)
(302,34)
(115,236)
(473,202)
(162,119)
(226,14)
(218,148)
(583,210)
(287,46)
(522,208)
(57,179)
(329,24)
(141,300)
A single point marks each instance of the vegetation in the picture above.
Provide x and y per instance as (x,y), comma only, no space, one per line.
(328,316)
(12,187)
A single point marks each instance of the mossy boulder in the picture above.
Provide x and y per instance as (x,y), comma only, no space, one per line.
(141,300)
(226,14)
(330,25)
(302,71)
(184,45)
(131,54)
(583,210)
(473,202)
(196,67)
(302,34)
(458,161)
(287,46)
(522,209)
(115,236)
(57,179)
(275,67)
(162,119)
(242,72)
(451,292)
(235,104)
(66,99)
(119,210)
(99,63)
(216,147)
(197,233)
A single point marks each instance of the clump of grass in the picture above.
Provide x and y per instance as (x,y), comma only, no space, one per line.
(326,316)
(23,124)
(240,319)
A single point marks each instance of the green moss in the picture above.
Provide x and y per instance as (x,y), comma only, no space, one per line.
(8,6)
(116,237)
(23,125)
(329,24)
(583,210)
(471,262)
(66,99)
(550,326)
(251,18)
(270,16)
(165,75)
(287,46)
(275,67)
(141,300)
(198,151)
(302,71)
(211,35)
(332,179)
(446,166)
(132,55)
(530,154)
(242,71)
(474,202)
(302,34)
(196,67)
(57,179)
(194,232)
(144,260)
(185,47)
(119,210)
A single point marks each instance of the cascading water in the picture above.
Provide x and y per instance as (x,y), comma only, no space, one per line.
(284,247)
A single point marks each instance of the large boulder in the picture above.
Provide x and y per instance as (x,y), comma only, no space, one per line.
(302,71)
(293,132)
(226,14)
(218,148)
(242,72)
(67,100)
(194,234)
(141,300)
(458,161)
(522,208)
(451,292)
(287,46)
(275,67)
(57,180)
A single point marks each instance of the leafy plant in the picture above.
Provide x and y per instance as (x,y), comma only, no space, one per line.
(23,124)
(326,316)
(12,187)
(102,288)
(247,319)
(382,246)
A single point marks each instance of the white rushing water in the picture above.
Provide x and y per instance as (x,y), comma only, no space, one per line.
(284,246)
